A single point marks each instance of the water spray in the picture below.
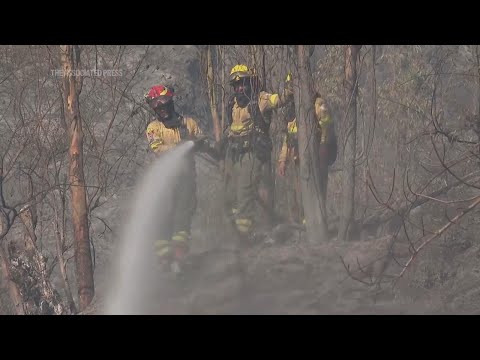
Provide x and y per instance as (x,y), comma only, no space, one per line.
(134,284)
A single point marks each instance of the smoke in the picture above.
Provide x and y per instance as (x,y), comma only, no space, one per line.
(134,282)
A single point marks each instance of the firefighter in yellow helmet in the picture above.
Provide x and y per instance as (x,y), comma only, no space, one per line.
(248,147)
(163,133)
(288,161)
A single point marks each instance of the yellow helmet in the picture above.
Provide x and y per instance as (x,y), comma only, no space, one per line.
(240,71)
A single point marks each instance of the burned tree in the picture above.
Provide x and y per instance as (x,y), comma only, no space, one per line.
(212,94)
(70,55)
(350,141)
(313,202)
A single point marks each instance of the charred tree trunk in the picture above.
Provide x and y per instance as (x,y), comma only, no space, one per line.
(83,258)
(212,92)
(308,144)
(34,265)
(7,214)
(221,70)
(477,128)
(13,290)
(60,247)
(262,66)
(26,274)
(350,141)
(252,49)
(257,55)
(5,266)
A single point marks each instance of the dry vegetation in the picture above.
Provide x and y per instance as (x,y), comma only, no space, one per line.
(416,161)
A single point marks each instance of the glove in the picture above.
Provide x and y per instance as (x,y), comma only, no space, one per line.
(207,145)
(199,143)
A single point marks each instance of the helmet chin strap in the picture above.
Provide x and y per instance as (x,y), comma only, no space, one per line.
(250,91)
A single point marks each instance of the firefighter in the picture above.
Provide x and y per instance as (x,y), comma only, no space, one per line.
(166,131)
(248,147)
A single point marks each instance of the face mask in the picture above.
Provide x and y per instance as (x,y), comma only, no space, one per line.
(162,113)
(171,122)
(165,111)
(243,92)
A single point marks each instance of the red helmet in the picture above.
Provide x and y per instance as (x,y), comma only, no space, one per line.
(159,90)
(159,94)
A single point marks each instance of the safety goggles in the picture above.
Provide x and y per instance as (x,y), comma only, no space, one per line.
(241,86)
(159,101)
(239,75)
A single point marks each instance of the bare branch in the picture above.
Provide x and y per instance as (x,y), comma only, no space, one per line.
(438,233)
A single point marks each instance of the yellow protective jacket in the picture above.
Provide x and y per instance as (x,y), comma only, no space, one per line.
(160,138)
(325,122)
(242,122)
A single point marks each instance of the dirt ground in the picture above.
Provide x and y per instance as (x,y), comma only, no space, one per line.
(298,278)
(291,276)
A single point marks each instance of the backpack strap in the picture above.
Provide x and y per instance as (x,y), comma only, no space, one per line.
(229,111)
(259,120)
